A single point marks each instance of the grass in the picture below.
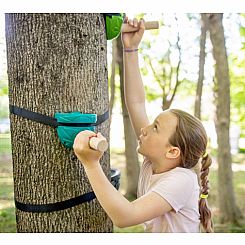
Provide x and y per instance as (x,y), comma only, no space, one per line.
(7,220)
(239,189)
(5,144)
(7,209)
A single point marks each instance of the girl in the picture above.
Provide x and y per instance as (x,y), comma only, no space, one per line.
(168,190)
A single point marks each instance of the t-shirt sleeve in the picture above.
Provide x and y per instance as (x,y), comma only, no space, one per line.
(176,189)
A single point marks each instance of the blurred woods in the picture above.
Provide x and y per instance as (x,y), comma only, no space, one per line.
(166,70)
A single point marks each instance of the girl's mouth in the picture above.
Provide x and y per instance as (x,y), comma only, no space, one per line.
(140,142)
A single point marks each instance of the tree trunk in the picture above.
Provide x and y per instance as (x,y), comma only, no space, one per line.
(202,55)
(56,63)
(132,162)
(112,80)
(228,208)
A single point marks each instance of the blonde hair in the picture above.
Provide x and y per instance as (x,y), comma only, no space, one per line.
(191,138)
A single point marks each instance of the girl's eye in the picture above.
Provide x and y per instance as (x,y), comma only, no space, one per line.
(155,127)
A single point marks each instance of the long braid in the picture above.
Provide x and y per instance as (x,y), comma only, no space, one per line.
(205,213)
(191,138)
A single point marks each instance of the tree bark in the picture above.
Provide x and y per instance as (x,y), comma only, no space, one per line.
(227,203)
(56,63)
(198,100)
(132,161)
(112,80)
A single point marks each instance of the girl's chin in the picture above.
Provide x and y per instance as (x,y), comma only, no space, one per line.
(141,153)
(139,150)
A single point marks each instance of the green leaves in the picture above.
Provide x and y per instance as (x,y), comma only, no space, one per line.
(237,88)
(3,87)
(4,90)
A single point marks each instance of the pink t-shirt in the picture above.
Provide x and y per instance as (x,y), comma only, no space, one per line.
(179,187)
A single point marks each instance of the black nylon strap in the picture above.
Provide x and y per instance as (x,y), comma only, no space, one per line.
(51,207)
(34,116)
(101,118)
(51,121)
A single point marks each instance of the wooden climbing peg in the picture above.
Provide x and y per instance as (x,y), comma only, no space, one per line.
(149,25)
(99,144)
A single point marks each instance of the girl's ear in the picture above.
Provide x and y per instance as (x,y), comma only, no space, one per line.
(173,152)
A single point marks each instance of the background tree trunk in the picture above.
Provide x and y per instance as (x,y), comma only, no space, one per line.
(198,100)
(132,161)
(56,63)
(112,78)
(228,208)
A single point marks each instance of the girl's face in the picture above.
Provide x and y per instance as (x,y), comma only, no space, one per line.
(154,139)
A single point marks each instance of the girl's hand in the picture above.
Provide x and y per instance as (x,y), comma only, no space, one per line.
(132,39)
(84,153)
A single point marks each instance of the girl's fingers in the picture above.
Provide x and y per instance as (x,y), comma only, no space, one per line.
(131,22)
(135,22)
(126,19)
(142,24)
